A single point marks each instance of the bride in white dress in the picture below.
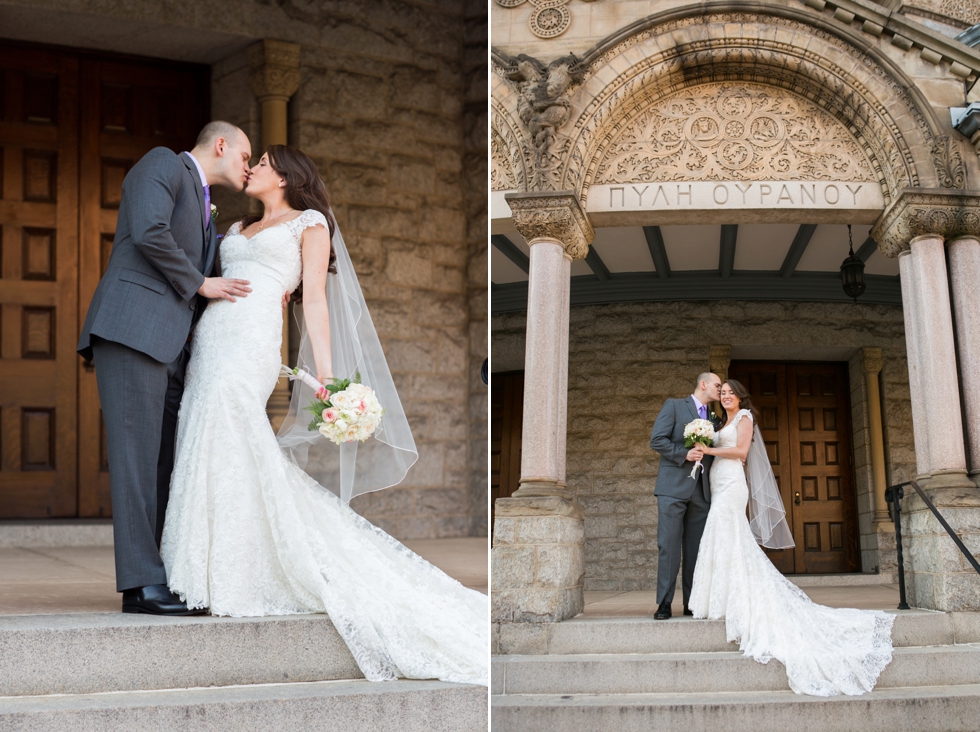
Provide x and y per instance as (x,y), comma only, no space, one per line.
(248,531)
(826,651)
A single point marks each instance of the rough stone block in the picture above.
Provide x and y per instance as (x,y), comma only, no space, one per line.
(559,566)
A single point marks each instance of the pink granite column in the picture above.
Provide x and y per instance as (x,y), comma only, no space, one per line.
(913,347)
(915,228)
(964,268)
(546,371)
(937,350)
(538,556)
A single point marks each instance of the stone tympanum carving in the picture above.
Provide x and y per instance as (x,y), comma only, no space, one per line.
(734,131)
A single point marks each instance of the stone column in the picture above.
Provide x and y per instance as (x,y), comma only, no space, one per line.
(916,226)
(964,267)
(940,385)
(912,357)
(274,78)
(539,533)
(871,363)
(719,359)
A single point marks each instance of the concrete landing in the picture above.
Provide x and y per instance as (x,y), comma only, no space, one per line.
(43,580)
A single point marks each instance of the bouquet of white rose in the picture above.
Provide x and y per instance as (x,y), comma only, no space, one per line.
(698,432)
(344,411)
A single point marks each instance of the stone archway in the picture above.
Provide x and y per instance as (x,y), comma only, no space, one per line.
(704,97)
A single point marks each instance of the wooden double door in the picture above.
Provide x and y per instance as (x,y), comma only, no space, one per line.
(71,126)
(805,422)
(506,420)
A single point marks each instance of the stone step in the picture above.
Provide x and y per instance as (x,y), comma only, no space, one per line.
(852,579)
(915,709)
(100,652)
(55,533)
(645,673)
(688,635)
(352,706)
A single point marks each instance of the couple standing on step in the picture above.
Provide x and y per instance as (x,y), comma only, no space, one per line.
(212,512)
(826,651)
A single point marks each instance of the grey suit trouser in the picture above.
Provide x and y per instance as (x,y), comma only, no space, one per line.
(680,522)
(140,399)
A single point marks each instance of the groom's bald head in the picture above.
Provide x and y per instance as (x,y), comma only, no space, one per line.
(708,387)
(223,151)
(213,130)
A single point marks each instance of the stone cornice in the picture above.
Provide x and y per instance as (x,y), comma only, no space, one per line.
(920,211)
(876,20)
(555,216)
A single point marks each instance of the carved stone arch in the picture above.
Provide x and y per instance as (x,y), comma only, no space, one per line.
(787,51)
(509,145)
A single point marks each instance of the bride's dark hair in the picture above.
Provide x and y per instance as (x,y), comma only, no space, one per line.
(304,189)
(744,400)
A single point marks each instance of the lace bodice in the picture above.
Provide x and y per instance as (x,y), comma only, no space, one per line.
(727,436)
(270,255)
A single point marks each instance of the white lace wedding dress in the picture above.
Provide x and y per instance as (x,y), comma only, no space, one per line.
(248,533)
(826,651)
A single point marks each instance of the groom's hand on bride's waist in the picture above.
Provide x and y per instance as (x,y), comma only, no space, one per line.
(222,288)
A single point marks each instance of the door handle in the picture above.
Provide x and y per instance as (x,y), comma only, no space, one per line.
(797,498)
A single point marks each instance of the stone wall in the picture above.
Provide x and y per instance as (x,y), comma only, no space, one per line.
(625,360)
(475,170)
(388,130)
(389,109)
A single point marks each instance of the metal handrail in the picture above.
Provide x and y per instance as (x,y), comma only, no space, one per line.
(893,494)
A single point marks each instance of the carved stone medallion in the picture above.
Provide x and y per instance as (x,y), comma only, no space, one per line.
(723,131)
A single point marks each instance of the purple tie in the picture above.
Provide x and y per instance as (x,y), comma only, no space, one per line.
(703,412)
(207,206)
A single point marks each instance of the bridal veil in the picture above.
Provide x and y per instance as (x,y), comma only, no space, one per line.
(354,467)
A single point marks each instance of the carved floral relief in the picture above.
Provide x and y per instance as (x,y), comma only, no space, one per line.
(727,131)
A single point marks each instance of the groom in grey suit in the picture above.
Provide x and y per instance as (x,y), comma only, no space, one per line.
(137,331)
(682,501)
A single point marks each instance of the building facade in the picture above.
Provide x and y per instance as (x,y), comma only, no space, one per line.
(389,101)
(674,188)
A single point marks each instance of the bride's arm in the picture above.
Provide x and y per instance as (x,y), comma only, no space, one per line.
(741,450)
(316,259)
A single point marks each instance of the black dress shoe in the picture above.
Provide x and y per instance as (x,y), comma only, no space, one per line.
(155,600)
(687,611)
(663,612)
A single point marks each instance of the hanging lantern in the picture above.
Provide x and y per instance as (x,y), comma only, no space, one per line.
(852,271)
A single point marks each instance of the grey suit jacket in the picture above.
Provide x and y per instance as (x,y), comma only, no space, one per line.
(667,438)
(147,299)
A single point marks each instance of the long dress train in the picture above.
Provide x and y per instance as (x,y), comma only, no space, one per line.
(248,533)
(826,651)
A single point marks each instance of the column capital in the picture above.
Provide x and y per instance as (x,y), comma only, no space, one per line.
(924,212)
(556,216)
(273,69)
(719,359)
(871,360)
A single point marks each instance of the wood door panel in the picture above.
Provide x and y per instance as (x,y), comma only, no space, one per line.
(804,421)
(506,421)
(64,151)
(38,297)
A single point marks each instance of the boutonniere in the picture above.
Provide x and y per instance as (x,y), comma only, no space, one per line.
(713,416)
(214,212)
